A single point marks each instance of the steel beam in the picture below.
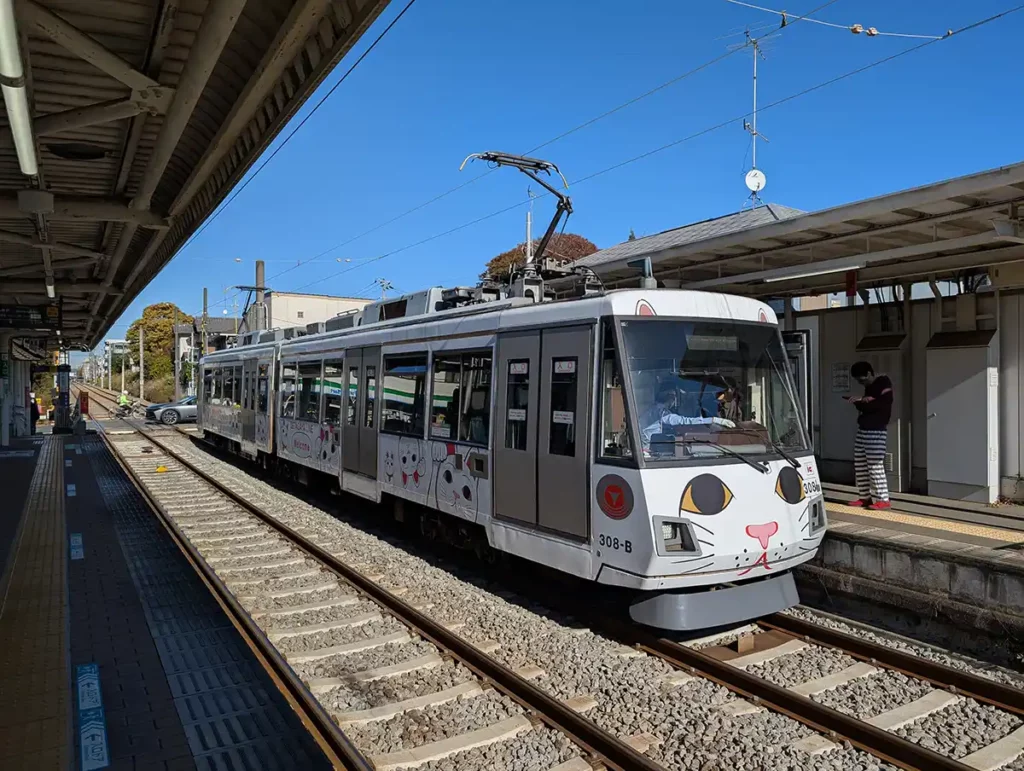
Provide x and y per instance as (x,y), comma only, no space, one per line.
(7,237)
(103,112)
(28,270)
(87,209)
(77,42)
(301,22)
(24,286)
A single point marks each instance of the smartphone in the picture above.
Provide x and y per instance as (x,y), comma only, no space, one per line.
(847,398)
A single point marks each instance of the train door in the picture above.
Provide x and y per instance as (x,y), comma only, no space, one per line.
(542,438)
(798,352)
(248,402)
(563,449)
(359,437)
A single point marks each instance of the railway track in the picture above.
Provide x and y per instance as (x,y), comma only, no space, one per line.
(768,672)
(366,657)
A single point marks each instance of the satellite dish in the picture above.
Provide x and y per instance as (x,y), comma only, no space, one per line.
(755,180)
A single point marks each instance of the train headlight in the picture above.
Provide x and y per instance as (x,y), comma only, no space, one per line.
(676,537)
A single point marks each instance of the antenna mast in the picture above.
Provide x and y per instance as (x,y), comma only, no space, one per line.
(755,178)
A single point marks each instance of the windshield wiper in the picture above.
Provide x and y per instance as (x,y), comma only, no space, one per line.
(775,446)
(763,468)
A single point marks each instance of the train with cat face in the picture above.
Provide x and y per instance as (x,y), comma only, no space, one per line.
(650,440)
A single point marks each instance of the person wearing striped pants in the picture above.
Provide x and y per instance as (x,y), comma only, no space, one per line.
(874,410)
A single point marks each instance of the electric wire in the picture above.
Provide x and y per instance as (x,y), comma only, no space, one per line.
(854,28)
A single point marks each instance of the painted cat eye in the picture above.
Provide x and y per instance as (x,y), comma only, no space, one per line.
(790,486)
(705,494)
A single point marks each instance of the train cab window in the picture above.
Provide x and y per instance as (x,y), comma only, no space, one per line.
(562,433)
(444,398)
(517,404)
(309,392)
(287,389)
(615,440)
(405,380)
(334,375)
(475,420)
(352,396)
(263,389)
(371,395)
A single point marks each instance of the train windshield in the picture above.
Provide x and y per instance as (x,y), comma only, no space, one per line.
(710,388)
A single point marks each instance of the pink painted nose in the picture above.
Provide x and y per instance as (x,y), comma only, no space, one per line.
(763,532)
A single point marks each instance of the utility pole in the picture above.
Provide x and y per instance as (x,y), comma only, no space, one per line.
(142,364)
(205,310)
(260,311)
(385,285)
(124,355)
(175,354)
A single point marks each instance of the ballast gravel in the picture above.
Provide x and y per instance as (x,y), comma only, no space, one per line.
(696,734)
(536,750)
(802,666)
(344,635)
(264,602)
(872,695)
(318,616)
(389,690)
(1009,652)
(433,724)
(977,725)
(352,663)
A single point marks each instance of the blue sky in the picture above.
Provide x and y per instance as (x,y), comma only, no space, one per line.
(456,76)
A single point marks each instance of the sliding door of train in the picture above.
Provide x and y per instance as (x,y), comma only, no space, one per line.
(248,402)
(359,437)
(542,441)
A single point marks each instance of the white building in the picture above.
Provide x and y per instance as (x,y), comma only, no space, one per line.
(293,309)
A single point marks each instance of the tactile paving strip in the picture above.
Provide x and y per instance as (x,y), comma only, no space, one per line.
(233,716)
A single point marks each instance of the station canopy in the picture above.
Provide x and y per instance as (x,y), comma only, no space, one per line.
(131,121)
(934,231)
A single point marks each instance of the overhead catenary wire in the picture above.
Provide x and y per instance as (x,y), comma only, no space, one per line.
(854,28)
(690,137)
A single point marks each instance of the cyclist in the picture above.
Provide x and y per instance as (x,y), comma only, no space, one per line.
(123,400)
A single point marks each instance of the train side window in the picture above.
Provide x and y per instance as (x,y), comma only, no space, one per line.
(475,421)
(334,379)
(405,379)
(263,389)
(562,434)
(371,395)
(309,392)
(517,400)
(444,396)
(287,390)
(615,440)
(246,405)
(353,396)
(236,386)
(208,387)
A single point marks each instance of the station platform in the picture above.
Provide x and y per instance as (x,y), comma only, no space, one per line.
(933,557)
(113,654)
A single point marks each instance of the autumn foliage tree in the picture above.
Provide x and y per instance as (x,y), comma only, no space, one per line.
(157,324)
(565,246)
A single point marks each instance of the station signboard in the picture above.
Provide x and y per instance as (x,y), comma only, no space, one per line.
(30,316)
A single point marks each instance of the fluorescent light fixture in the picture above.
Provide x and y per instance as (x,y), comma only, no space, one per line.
(15,96)
(811,273)
(50,291)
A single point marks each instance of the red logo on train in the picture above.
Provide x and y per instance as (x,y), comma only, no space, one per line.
(614,496)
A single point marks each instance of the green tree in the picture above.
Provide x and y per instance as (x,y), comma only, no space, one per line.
(565,246)
(157,325)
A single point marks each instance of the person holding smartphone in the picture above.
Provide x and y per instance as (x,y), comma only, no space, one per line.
(874,410)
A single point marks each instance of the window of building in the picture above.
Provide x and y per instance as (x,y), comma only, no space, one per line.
(264,388)
(287,390)
(404,386)
(517,406)
(334,374)
(562,434)
(300,314)
(309,392)
(461,397)
(371,395)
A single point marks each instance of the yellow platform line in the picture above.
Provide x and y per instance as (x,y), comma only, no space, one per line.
(34,685)
(934,523)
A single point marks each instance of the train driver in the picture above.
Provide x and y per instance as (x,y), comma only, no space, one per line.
(664,413)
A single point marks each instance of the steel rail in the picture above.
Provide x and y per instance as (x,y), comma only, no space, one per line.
(997,694)
(603,746)
(337,747)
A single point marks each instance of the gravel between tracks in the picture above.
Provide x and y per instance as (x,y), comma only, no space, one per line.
(538,750)
(807,664)
(341,636)
(384,656)
(432,724)
(977,726)
(577,662)
(872,695)
(388,690)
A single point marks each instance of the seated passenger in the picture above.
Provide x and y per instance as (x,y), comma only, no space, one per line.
(663,413)
(730,403)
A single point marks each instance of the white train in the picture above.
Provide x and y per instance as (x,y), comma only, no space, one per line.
(644,439)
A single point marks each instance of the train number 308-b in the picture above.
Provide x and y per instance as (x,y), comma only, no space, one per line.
(615,543)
